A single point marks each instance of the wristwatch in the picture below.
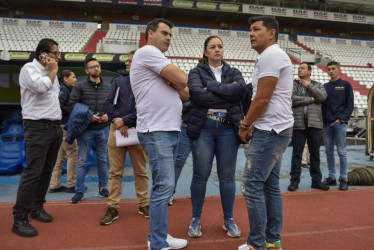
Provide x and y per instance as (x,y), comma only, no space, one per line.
(244,126)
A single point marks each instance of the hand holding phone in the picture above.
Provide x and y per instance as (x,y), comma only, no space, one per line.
(43,57)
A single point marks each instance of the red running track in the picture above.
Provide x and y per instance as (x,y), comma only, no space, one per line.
(313,220)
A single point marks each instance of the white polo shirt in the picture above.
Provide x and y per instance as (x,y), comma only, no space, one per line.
(273,61)
(39,97)
(158,105)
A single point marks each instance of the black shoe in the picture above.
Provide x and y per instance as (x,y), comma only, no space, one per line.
(343,185)
(59,189)
(293,186)
(304,165)
(103,192)
(321,186)
(22,227)
(77,198)
(41,215)
(330,181)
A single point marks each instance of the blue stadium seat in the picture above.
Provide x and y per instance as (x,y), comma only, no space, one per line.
(15,118)
(12,149)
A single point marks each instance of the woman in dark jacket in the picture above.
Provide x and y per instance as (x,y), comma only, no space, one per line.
(216,90)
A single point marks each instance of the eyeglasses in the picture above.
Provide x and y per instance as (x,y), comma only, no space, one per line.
(94,66)
(57,53)
(128,61)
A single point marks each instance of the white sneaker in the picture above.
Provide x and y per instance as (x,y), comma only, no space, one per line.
(171,201)
(174,243)
(245,247)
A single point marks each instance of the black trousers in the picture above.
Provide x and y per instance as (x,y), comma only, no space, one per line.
(313,137)
(43,139)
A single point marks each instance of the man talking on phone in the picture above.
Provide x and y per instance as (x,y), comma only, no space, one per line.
(41,124)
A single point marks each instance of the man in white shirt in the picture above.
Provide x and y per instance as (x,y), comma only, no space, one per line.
(158,87)
(269,123)
(41,123)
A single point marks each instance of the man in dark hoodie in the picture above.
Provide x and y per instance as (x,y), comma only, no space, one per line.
(67,80)
(336,112)
(92,92)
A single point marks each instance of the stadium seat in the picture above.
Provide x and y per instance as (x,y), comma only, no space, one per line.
(15,118)
(12,149)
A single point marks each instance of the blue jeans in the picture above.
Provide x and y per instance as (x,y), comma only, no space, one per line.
(260,185)
(100,137)
(219,140)
(184,150)
(161,148)
(336,135)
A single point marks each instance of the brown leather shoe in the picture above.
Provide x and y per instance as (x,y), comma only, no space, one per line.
(144,211)
(110,216)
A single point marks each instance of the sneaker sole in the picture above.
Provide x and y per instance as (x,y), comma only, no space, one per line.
(194,235)
(76,201)
(110,222)
(228,233)
(145,216)
(169,247)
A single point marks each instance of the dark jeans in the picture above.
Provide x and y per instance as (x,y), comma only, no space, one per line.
(313,137)
(43,140)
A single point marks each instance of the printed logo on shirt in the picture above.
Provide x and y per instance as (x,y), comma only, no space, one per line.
(339,88)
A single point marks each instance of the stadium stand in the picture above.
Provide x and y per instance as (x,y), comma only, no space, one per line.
(26,38)
(345,54)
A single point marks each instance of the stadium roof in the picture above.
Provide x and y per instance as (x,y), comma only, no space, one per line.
(96,8)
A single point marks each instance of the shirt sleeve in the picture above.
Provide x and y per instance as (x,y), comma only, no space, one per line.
(154,59)
(270,67)
(34,81)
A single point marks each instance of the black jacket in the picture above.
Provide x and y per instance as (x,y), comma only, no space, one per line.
(64,97)
(217,95)
(93,95)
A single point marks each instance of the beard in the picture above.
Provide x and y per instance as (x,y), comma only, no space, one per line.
(95,75)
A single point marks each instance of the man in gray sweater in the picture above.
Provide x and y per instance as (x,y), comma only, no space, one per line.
(307,98)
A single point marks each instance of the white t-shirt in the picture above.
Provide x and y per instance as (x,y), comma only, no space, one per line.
(273,61)
(39,97)
(158,105)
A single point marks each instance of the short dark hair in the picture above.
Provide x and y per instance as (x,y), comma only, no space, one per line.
(333,63)
(64,73)
(205,58)
(44,45)
(308,64)
(132,52)
(89,60)
(153,25)
(269,22)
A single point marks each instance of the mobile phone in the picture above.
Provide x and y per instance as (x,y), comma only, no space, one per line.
(43,56)
(98,114)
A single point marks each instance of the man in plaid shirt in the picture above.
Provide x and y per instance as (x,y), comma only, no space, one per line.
(120,107)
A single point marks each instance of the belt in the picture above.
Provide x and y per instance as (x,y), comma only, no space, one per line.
(220,114)
(45,121)
(224,120)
